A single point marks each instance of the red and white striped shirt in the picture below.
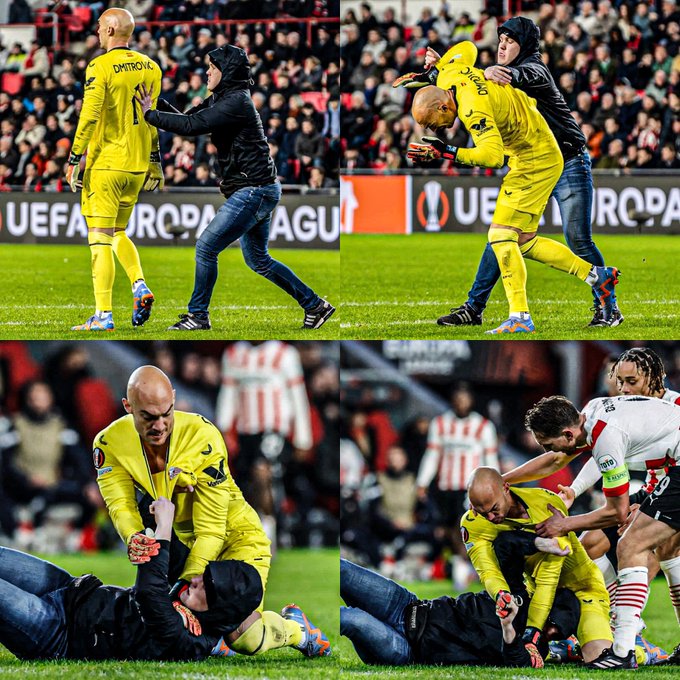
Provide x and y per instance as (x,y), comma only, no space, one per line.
(455,447)
(263,390)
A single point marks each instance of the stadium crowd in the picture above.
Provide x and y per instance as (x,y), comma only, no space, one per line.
(53,402)
(295,85)
(616,63)
(401,480)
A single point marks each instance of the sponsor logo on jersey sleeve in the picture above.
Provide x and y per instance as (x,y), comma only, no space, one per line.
(102,471)
(606,462)
(98,458)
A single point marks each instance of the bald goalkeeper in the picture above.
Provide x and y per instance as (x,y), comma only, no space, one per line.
(122,157)
(504,121)
(498,508)
(182,456)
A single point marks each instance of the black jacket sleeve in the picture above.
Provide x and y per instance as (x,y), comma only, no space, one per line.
(163,623)
(530,78)
(209,116)
(515,653)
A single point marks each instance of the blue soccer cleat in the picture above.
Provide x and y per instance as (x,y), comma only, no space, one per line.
(514,326)
(314,642)
(564,651)
(607,279)
(142,300)
(96,323)
(651,654)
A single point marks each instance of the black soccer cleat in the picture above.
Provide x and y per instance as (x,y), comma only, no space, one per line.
(465,315)
(317,317)
(673,658)
(189,322)
(608,661)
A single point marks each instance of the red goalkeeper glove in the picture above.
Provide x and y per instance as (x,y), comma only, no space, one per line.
(531,638)
(142,548)
(433,150)
(503,602)
(73,171)
(413,81)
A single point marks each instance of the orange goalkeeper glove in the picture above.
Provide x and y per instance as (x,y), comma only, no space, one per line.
(142,548)
(433,150)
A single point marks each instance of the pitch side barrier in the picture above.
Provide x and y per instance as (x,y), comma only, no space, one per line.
(301,220)
(623,204)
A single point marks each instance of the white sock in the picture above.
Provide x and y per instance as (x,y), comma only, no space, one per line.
(136,284)
(671,568)
(591,279)
(522,316)
(631,597)
(610,582)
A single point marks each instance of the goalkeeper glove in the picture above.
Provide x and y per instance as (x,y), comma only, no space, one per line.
(434,150)
(413,81)
(73,171)
(503,601)
(142,548)
(532,639)
(154,175)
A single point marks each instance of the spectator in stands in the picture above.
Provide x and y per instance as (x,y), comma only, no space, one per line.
(309,145)
(43,462)
(459,441)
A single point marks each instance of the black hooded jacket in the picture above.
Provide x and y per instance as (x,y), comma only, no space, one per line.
(229,115)
(532,76)
(110,622)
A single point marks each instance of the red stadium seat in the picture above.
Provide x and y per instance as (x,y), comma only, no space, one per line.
(318,99)
(84,14)
(346,100)
(12,83)
(95,406)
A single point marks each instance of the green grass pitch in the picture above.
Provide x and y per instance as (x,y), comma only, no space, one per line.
(662,629)
(309,578)
(397,287)
(46,289)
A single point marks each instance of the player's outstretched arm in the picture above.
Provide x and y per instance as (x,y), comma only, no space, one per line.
(537,468)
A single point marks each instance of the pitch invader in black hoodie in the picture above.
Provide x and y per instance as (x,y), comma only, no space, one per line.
(49,614)
(249,185)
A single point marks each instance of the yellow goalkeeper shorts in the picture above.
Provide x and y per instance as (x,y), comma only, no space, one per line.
(109,196)
(526,188)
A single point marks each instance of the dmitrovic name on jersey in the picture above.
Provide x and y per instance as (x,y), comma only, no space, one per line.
(111,126)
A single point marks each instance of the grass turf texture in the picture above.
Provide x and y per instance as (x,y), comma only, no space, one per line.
(309,578)
(397,287)
(662,629)
(48,289)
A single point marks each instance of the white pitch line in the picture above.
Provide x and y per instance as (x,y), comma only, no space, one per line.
(218,307)
(426,303)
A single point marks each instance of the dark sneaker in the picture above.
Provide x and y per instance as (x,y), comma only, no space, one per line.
(616,318)
(673,658)
(608,661)
(189,322)
(465,315)
(317,317)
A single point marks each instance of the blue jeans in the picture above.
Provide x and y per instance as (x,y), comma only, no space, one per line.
(574,195)
(245,215)
(374,617)
(32,616)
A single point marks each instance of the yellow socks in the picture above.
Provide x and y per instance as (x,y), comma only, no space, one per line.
(557,255)
(504,243)
(269,632)
(127,254)
(103,269)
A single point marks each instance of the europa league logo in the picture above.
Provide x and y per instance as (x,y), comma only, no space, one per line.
(432,195)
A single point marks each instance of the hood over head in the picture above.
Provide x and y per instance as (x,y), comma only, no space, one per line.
(233,590)
(526,33)
(233,63)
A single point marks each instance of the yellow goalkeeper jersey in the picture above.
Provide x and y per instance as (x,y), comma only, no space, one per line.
(111,126)
(212,520)
(544,573)
(502,121)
